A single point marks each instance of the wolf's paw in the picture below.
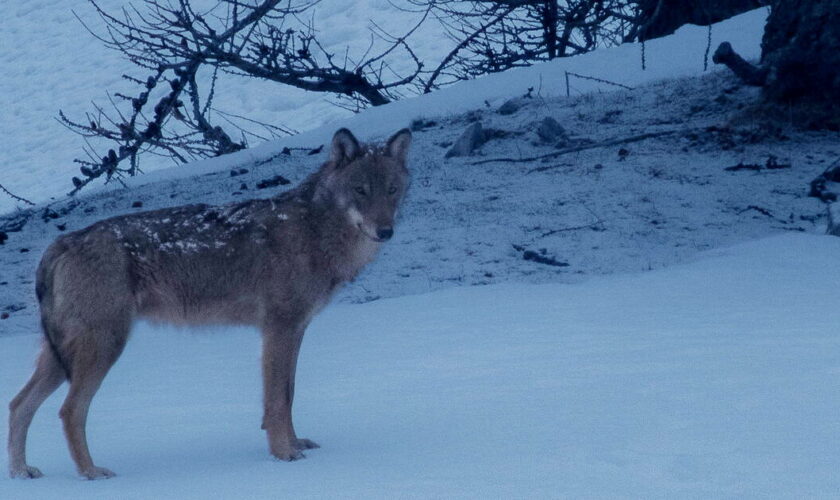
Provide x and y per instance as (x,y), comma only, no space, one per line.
(287,454)
(306,444)
(25,472)
(95,473)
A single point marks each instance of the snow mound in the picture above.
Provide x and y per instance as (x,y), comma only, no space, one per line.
(713,379)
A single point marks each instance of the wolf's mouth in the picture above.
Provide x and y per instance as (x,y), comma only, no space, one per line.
(378,240)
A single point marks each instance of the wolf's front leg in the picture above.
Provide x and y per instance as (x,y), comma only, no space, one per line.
(280,352)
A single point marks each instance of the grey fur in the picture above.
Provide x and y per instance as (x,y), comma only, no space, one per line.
(272,263)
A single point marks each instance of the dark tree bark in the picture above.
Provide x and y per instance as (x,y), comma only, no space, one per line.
(750,74)
(800,61)
(801,49)
(663,17)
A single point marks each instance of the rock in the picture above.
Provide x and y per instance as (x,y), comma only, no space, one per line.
(511,106)
(277,180)
(48,214)
(420,124)
(14,222)
(549,130)
(834,219)
(826,186)
(472,138)
(541,258)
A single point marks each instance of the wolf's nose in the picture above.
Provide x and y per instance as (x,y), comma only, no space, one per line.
(385,233)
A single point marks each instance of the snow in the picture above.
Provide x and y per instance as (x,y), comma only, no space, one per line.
(689,349)
(67,64)
(51,63)
(716,378)
(674,56)
(662,202)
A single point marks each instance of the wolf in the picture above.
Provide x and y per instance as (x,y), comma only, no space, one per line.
(272,263)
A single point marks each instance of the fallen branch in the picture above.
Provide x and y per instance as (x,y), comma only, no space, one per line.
(748,73)
(573,228)
(762,211)
(543,259)
(744,166)
(771,164)
(582,147)
(539,257)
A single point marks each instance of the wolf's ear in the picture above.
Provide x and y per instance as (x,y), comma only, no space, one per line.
(397,145)
(345,147)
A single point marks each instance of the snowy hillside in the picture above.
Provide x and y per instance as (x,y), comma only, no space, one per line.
(50,62)
(59,66)
(639,307)
(620,208)
(711,380)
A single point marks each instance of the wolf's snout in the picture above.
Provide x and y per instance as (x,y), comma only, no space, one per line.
(384,233)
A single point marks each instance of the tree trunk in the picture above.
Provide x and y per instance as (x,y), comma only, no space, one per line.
(549,25)
(800,62)
(661,20)
(801,50)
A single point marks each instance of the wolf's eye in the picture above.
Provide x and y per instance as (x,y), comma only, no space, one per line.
(360,190)
(392,189)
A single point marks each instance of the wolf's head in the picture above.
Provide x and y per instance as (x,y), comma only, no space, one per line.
(366,182)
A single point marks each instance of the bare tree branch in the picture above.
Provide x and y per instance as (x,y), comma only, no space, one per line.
(172,40)
(15,197)
(496,35)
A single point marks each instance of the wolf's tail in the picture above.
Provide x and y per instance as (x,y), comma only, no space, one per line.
(43,290)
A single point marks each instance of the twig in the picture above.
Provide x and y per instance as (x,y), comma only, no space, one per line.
(594,79)
(582,147)
(708,49)
(572,228)
(16,197)
(762,211)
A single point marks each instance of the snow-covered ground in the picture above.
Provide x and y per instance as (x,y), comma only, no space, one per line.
(49,62)
(714,374)
(716,379)
(599,211)
(59,66)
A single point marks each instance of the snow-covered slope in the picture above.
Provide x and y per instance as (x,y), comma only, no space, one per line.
(49,62)
(675,56)
(716,379)
(714,375)
(58,65)
(618,208)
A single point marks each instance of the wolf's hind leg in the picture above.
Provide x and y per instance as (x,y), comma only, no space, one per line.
(93,355)
(46,379)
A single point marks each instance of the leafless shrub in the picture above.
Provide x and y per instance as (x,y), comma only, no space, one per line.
(170,115)
(496,35)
